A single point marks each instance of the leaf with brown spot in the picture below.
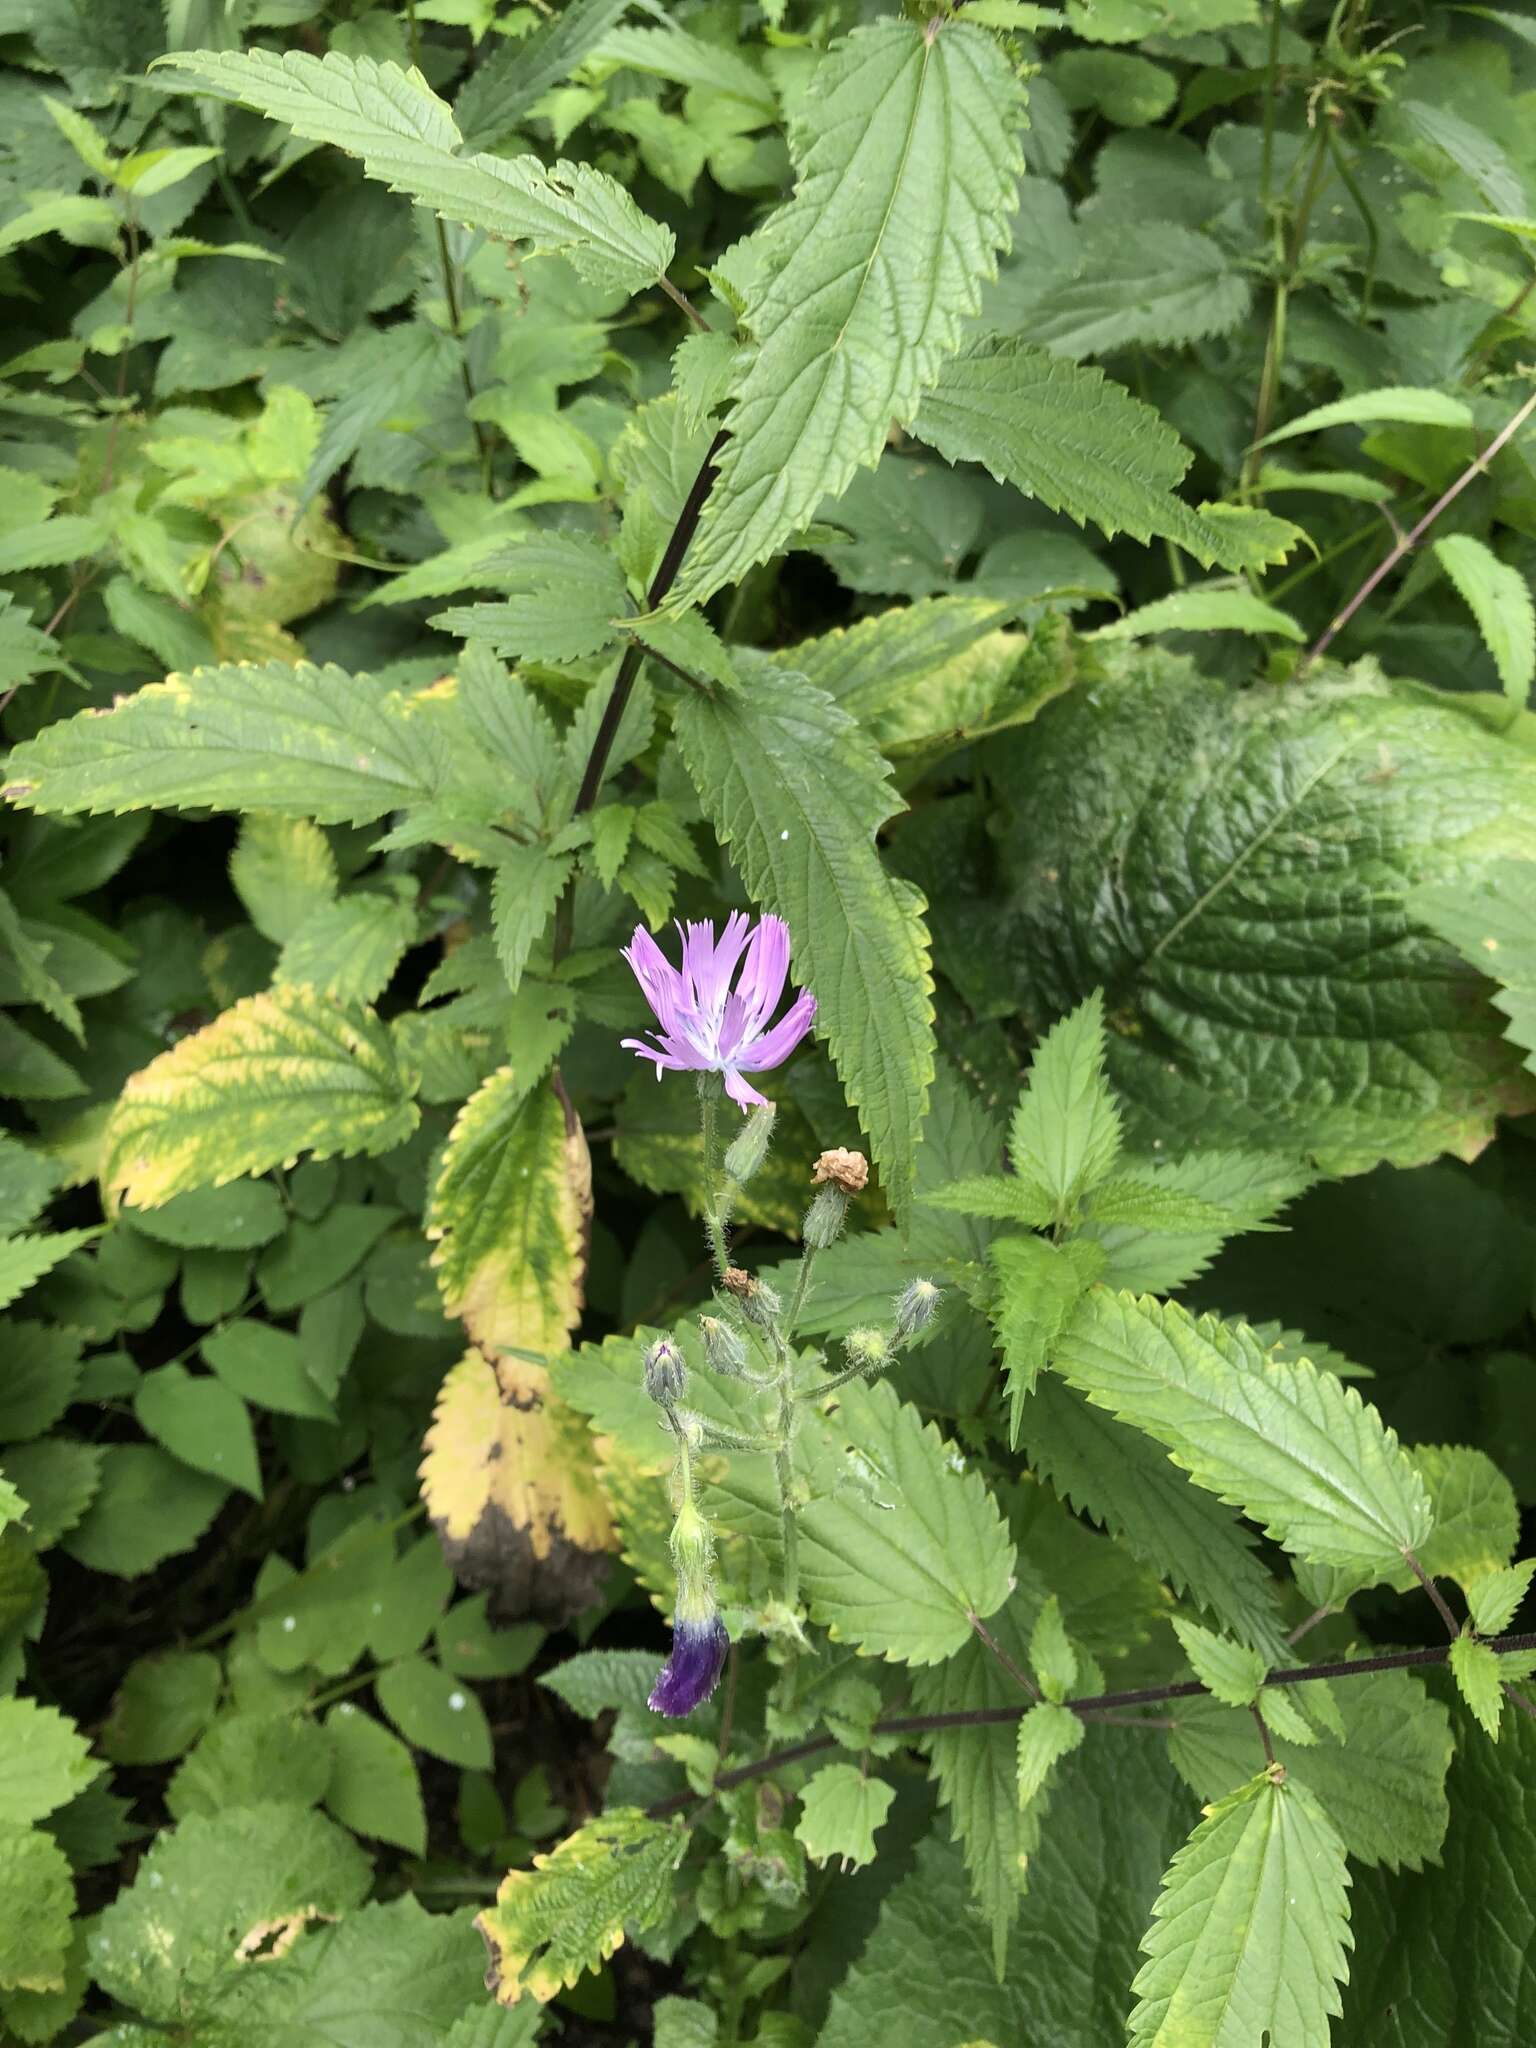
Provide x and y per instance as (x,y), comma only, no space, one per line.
(509,1483)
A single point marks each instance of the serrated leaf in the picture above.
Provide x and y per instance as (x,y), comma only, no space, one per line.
(147,1508)
(282,869)
(44,1761)
(862,282)
(1047,1733)
(1401,402)
(1230,1672)
(797,793)
(672,53)
(1163,286)
(528,883)
(1245,1189)
(903,1583)
(1248,1005)
(1124,1481)
(570,1912)
(1202,611)
(1491,921)
(1065,434)
(1250,1933)
(1153,1205)
(37,1898)
(503,86)
(406,136)
(348,950)
(687,641)
(566,595)
(1065,1132)
(1051,1655)
(285,737)
(841,1808)
(276,1075)
(1477,1519)
(1479,1680)
(163,1704)
(24,1260)
(1039,1284)
(1493,1599)
(248,1757)
(57,1480)
(1295,1448)
(1499,598)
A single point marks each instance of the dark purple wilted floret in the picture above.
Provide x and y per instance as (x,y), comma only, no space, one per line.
(693,1670)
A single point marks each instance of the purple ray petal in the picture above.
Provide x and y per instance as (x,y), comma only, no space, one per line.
(766,968)
(741,1090)
(776,1045)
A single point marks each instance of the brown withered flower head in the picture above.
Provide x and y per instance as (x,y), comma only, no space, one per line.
(846,1170)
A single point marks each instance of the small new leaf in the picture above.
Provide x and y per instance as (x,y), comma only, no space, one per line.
(1039,1284)
(1475,1667)
(1051,1654)
(1065,1132)
(840,1810)
(1047,1733)
(1493,1599)
(1499,598)
(1230,1671)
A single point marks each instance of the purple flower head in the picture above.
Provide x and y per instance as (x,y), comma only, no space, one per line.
(693,1670)
(707,1026)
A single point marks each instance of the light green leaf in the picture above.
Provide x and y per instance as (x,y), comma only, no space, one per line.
(1294,1448)
(53,542)
(1243,1188)
(1381,1776)
(1156,1205)
(528,883)
(687,641)
(1265,995)
(436,1712)
(57,1480)
(1162,286)
(163,1704)
(1202,611)
(841,1808)
(903,1584)
(44,1761)
(502,87)
(1051,1655)
(1499,598)
(1471,149)
(202,1422)
(1402,402)
(1249,1936)
(1229,1671)
(1001,1197)
(1491,921)
(1039,1284)
(282,870)
(797,793)
(1478,1679)
(37,1898)
(249,1757)
(267,1366)
(284,737)
(276,1075)
(1047,1733)
(348,950)
(570,1912)
(674,54)
(1065,1132)
(859,287)
(1477,1519)
(1069,437)
(565,595)
(405,136)
(1494,1598)
(374,1786)
(1125,1482)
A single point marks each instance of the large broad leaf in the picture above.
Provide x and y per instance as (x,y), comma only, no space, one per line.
(926,1978)
(406,136)
(797,793)
(1067,435)
(1294,1448)
(1162,285)
(903,1576)
(568,1914)
(290,738)
(1249,1935)
(276,1075)
(859,287)
(1448,1957)
(1234,871)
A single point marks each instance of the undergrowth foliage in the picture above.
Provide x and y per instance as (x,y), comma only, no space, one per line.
(1017,1536)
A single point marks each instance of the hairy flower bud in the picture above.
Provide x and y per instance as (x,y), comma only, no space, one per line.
(846,1170)
(692,1545)
(824,1219)
(749,1148)
(760,1303)
(666,1373)
(867,1350)
(916,1306)
(725,1349)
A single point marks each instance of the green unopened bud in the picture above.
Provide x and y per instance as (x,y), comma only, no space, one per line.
(666,1373)
(691,1545)
(749,1148)
(916,1306)
(725,1349)
(867,1350)
(824,1219)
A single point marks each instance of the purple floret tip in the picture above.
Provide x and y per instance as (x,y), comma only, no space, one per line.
(693,1670)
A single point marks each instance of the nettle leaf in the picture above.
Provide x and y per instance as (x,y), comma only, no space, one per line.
(44,1761)
(1039,1284)
(502,87)
(1404,403)
(1065,1132)
(1294,1448)
(569,1913)
(1082,445)
(24,1260)
(510,1211)
(1499,598)
(1202,611)
(1163,285)
(286,737)
(1493,1599)
(37,1900)
(797,793)
(841,1808)
(903,1584)
(1238,1190)
(283,870)
(1491,921)
(1380,1775)
(565,596)
(1047,1733)
(276,1075)
(1126,1483)
(1250,1933)
(1475,1669)
(1230,1672)
(859,287)
(528,884)
(1235,871)
(406,136)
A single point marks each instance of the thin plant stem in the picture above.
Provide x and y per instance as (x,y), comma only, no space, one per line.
(1437,1598)
(1102,1704)
(1274,347)
(714,1195)
(1020,1678)
(684,303)
(1409,541)
(1263,1727)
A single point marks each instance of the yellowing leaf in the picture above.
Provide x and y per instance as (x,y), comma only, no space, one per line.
(278,1074)
(511,1209)
(509,1484)
(552,1923)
